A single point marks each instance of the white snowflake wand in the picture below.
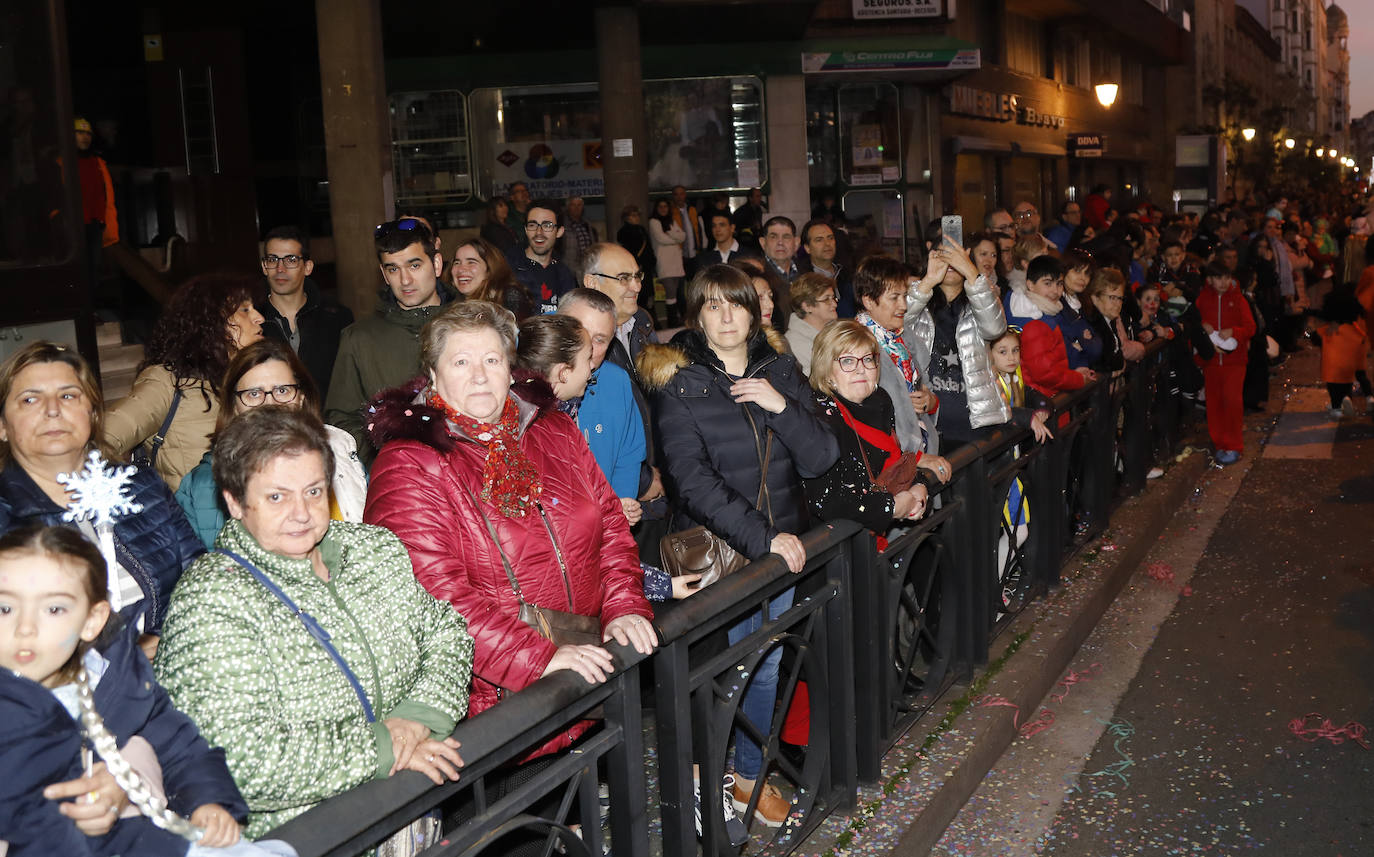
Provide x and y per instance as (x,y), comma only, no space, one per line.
(100,493)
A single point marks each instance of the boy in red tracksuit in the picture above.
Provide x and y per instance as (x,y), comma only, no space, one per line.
(1227,321)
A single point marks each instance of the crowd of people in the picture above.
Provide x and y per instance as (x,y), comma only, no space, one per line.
(353,534)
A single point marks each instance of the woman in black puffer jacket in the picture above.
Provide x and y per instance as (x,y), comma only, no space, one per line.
(720,391)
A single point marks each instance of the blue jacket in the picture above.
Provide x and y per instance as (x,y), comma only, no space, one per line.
(610,421)
(1080,339)
(198,496)
(154,546)
(40,745)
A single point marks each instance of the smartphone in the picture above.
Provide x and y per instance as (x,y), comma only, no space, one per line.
(953,227)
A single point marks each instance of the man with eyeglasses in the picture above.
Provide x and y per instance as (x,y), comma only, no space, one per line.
(383,350)
(818,242)
(612,270)
(999,221)
(779,243)
(1070,216)
(296,311)
(535,267)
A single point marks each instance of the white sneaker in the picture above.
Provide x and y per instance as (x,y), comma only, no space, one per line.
(1155,473)
(1337,413)
(734,826)
(1348,407)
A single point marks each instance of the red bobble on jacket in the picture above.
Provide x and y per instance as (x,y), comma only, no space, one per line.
(425,483)
(1045,360)
(1227,310)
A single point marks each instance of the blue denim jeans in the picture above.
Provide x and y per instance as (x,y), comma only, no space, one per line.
(762,691)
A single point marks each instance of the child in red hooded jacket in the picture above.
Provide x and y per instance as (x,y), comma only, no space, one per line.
(1044,354)
(1227,321)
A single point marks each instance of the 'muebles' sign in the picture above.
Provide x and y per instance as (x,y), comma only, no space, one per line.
(869,9)
(999,107)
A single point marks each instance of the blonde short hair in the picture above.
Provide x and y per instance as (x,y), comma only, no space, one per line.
(466,317)
(836,338)
(808,288)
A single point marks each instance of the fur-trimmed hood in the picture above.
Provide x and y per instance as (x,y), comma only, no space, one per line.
(402,413)
(659,364)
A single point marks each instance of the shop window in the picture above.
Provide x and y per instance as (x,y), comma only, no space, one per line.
(429,150)
(35,230)
(870,134)
(822,135)
(703,133)
(877,222)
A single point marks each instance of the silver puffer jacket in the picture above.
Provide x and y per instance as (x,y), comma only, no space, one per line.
(981,322)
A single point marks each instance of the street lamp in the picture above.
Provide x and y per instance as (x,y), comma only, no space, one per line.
(1248,134)
(1321,153)
(1289,143)
(1331,153)
(1106,94)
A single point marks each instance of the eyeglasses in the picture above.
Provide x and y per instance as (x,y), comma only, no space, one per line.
(851,364)
(546,226)
(282,394)
(405,224)
(625,278)
(290,262)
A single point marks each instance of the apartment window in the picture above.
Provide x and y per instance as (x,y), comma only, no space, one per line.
(1025,45)
(1069,65)
(1132,82)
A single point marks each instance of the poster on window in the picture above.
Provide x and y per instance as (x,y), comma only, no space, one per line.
(553,169)
(868,145)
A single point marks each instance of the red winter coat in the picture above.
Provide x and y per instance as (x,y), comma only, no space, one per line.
(418,492)
(1229,309)
(1045,360)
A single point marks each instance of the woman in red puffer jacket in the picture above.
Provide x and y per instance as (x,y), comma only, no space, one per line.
(464,454)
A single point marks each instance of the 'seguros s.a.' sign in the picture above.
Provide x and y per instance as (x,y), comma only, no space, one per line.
(868,9)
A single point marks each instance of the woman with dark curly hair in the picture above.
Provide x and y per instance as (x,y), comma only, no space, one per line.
(174,403)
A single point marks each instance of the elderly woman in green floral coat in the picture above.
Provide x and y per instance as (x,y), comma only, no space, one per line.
(304,716)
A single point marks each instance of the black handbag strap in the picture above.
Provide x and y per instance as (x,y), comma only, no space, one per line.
(161,436)
(312,626)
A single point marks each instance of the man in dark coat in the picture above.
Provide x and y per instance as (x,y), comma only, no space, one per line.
(295,310)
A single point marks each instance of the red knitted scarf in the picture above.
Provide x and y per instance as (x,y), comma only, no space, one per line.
(510,481)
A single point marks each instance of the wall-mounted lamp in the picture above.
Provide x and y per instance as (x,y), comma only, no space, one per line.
(1106,94)
(1248,134)
(1331,153)
(1289,143)
(1321,153)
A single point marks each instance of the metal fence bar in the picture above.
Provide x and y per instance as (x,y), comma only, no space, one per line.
(851,635)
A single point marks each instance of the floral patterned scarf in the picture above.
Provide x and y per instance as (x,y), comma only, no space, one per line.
(895,348)
(510,481)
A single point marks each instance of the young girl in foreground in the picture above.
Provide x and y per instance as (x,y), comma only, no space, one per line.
(53,608)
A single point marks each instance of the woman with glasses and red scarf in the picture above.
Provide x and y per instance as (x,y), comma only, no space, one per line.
(844,376)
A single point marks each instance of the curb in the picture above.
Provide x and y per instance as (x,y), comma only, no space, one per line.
(1045,651)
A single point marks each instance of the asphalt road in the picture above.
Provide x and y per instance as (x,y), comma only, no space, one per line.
(1257,609)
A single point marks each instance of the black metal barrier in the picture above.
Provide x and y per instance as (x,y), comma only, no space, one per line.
(873,637)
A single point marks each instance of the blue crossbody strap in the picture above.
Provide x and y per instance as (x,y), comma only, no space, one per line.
(313,627)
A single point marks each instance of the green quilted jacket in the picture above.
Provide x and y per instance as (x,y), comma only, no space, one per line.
(243,667)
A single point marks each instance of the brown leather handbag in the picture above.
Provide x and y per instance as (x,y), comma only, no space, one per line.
(560,627)
(697,550)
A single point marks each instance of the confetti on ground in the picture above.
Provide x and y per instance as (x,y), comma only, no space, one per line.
(1160,571)
(1353,730)
(1042,721)
(1122,730)
(1074,677)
